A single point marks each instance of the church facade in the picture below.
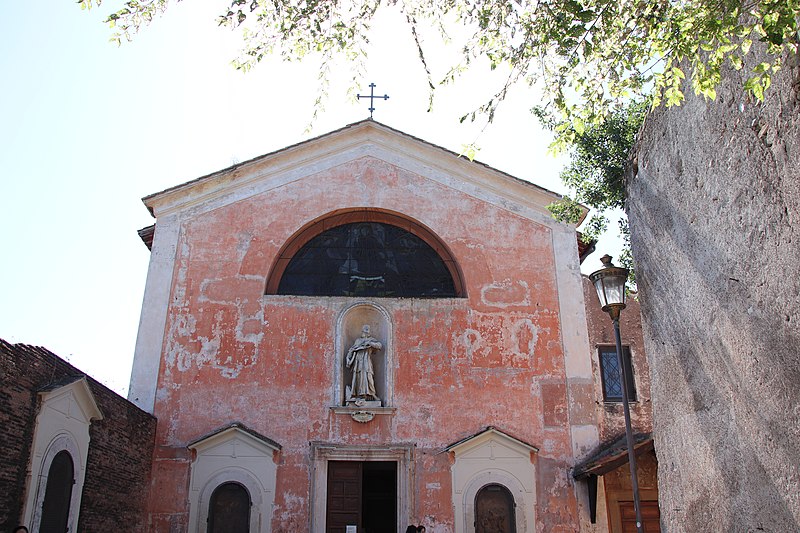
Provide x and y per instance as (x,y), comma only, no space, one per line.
(361,332)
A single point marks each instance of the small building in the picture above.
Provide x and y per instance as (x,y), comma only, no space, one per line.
(76,455)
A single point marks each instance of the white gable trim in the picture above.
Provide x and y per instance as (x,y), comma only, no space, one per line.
(364,139)
(62,424)
(80,403)
(493,457)
(491,433)
(233,455)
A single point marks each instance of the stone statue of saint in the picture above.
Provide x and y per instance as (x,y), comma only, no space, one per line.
(359,359)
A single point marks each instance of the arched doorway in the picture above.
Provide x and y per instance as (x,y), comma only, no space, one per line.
(58,494)
(494,510)
(229,509)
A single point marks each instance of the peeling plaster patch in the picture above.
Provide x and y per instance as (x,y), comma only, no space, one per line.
(550,446)
(501,341)
(187,350)
(229,372)
(524,335)
(470,244)
(472,340)
(299,339)
(292,502)
(183,326)
(506,294)
(179,285)
(202,297)
(243,240)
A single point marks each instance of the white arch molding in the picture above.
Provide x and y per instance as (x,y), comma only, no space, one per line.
(507,480)
(492,457)
(63,442)
(232,475)
(235,454)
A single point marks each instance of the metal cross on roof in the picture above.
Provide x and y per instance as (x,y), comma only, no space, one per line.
(372,98)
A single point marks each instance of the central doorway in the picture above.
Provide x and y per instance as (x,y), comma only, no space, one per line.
(362,494)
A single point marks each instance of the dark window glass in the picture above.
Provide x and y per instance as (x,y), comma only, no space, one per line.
(57,494)
(367,259)
(611,374)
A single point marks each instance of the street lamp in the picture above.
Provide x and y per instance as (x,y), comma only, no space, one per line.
(609,282)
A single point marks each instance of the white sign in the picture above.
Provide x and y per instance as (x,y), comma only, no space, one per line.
(352,529)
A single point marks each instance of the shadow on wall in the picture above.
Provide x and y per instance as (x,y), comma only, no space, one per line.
(724,375)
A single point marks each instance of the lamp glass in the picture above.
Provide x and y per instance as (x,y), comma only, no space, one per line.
(611,289)
(609,282)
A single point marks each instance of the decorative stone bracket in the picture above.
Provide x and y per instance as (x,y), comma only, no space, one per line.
(363,415)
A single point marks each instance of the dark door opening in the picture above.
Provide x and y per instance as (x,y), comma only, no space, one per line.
(58,494)
(229,509)
(494,510)
(362,494)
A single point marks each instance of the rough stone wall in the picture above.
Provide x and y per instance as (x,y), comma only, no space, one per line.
(601,333)
(715,220)
(120,449)
(495,357)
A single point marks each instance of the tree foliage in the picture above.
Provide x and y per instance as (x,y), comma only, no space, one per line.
(596,174)
(588,56)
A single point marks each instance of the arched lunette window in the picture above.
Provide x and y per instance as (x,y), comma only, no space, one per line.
(366,253)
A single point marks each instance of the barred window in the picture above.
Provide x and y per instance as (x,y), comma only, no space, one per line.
(611,373)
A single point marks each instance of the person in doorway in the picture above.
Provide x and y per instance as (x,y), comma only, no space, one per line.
(411,529)
(421,529)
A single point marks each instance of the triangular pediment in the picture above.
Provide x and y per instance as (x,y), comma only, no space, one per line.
(73,399)
(235,440)
(365,140)
(491,443)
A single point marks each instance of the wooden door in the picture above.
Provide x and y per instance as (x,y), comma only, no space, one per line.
(494,510)
(650,517)
(344,496)
(229,509)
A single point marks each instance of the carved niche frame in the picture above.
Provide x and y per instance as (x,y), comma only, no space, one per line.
(348,329)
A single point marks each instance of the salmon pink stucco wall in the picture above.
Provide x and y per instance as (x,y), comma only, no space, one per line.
(495,357)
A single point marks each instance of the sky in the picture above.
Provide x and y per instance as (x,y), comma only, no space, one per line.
(88,128)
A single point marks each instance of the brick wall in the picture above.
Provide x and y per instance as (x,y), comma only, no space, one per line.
(601,333)
(120,450)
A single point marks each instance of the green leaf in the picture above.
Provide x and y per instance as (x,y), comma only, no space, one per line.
(579,125)
(470,151)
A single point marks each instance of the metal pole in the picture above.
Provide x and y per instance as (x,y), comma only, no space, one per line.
(628,432)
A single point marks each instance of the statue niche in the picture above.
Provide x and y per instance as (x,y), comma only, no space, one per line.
(359,361)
